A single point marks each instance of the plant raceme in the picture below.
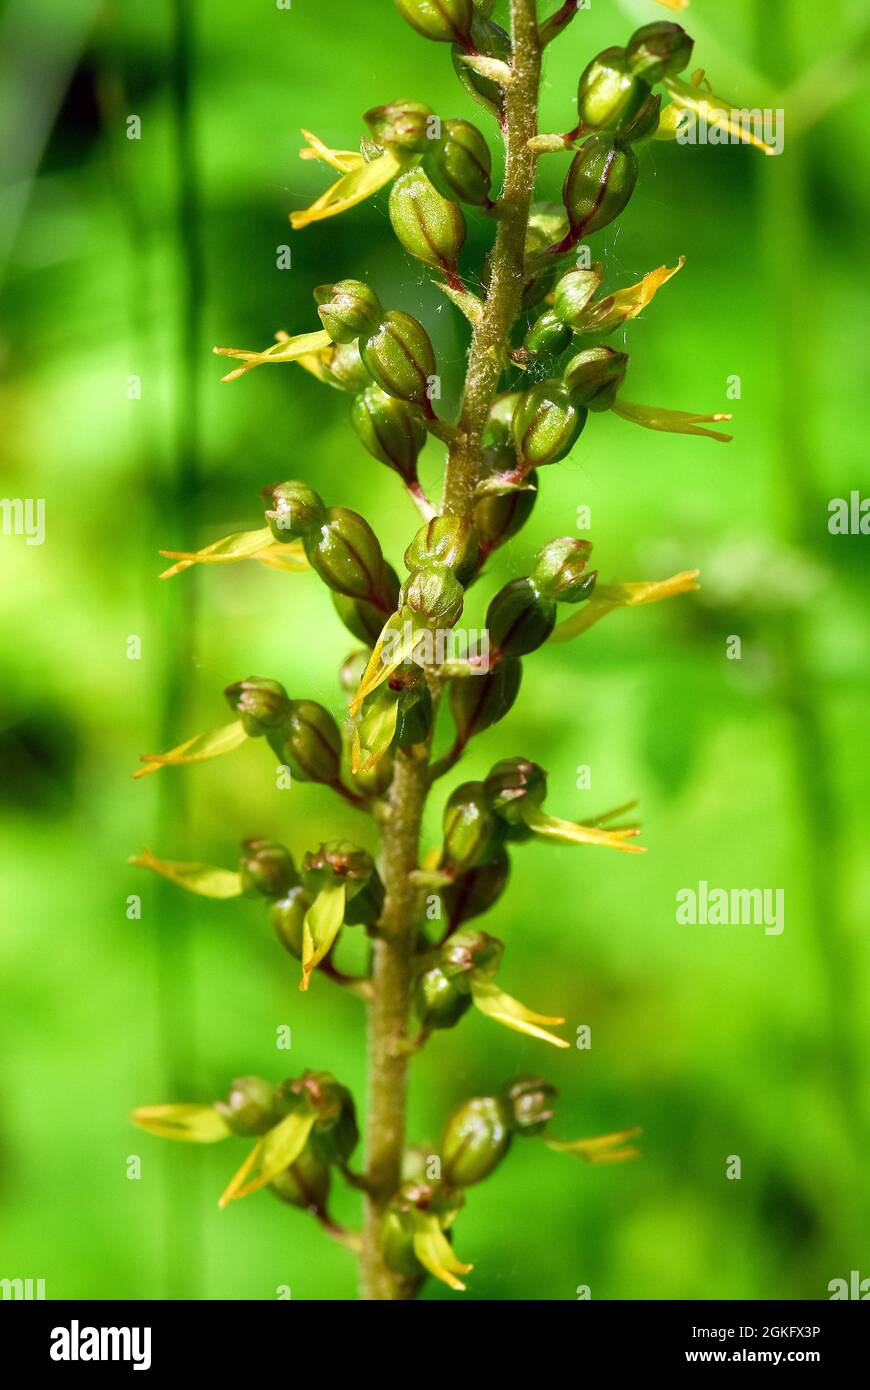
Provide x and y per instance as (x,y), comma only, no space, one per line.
(538,367)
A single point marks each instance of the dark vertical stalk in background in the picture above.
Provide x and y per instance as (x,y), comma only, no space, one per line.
(177,507)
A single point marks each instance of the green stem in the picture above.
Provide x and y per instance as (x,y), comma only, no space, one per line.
(488,353)
(392,974)
(392,978)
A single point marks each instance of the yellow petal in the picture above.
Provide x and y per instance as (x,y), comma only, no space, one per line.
(241,545)
(435,1252)
(194,1124)
(373,734)
(500,1006)
(205,879)
(352,188)
(290,558)
(342,160)
(380,669)
(196,750)
(626,304)
(603,1149)
(565,832)
(654,417)
(674,5)
(274,1152)
(322,924)
(608,597)
(689,96)
(286,349)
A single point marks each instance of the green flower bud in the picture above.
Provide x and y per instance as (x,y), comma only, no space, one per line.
(484,8)
(498,424)
(373,781)
(474,893)
(352,670)
(397,1247)
(599,183)
(347,368)
(403,126)
(414,721)
(477,702)
(573,295)
(548,334)
(560,570)
(473,834)
(365,907)
(309,743)
(365,619)
(530,1102)
(296,510)
(261,704)
(287,917)
(428,225)
(519,618)
(610,93)
(460,164)
(645,123)
(489,39)
(341,860)
(400,357)
(476,1139)
(347,555)
(659,50)
(305,1183)
(335,1134)
(546,423)
(348,309)
(445,21)
(434,595)
(344,862)
(267,869)
(438,1003)
(250,1106)
(390,429)
(498,517)
(470,950)
(511,786)
(594,377)
(445,540)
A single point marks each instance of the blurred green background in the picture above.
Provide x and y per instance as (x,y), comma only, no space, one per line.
(125,258)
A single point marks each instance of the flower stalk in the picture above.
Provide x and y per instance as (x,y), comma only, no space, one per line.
(384,758)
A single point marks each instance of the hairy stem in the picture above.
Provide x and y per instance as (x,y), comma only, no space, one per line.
(388,1016)
(392,974)
(488,353)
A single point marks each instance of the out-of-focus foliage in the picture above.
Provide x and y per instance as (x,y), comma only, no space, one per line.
(750,773)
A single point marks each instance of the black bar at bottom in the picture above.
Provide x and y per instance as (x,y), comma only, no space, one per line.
(249,1339)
